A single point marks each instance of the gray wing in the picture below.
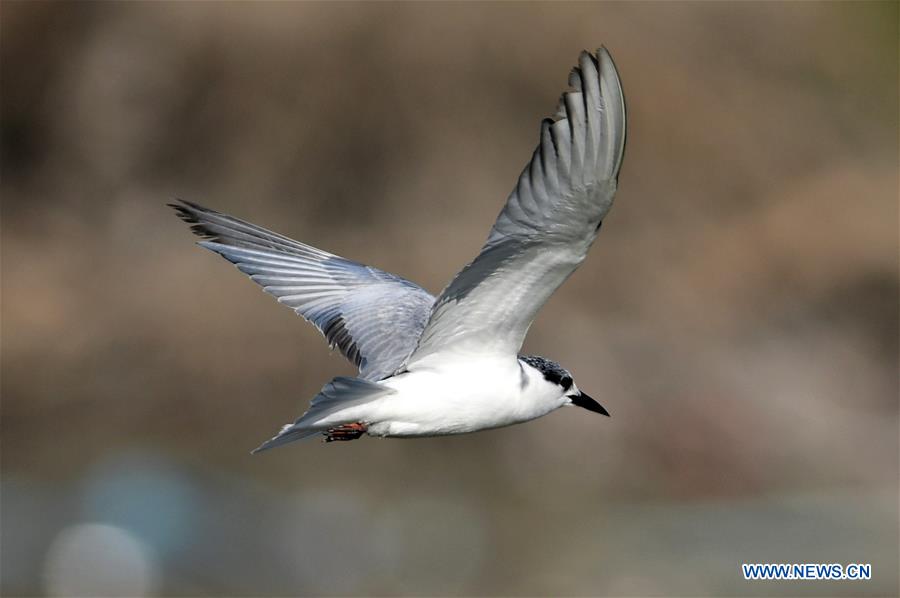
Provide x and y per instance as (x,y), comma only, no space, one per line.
(547,225)
(373,317)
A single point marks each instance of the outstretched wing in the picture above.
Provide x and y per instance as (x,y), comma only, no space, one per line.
(547,225)
(373,317)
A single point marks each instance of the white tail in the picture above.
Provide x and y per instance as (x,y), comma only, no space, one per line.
(337,395)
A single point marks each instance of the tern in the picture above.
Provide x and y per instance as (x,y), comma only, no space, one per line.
(434,366)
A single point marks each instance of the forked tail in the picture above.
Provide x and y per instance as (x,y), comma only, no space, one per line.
(326,409)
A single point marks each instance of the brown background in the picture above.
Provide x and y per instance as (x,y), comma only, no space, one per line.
(738,315)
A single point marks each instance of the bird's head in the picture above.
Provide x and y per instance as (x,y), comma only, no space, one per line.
(560,376)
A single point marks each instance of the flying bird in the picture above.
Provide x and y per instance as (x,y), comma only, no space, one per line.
(433,366)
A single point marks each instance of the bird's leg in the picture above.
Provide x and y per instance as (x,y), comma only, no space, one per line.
(345,432)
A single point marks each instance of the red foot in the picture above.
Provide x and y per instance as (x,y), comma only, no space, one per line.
(345,432)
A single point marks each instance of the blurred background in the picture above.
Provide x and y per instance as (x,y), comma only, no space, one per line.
(738,314)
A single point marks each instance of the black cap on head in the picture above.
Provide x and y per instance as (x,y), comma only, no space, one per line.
(552,371)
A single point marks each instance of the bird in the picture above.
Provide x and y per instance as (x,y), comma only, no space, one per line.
(436,366)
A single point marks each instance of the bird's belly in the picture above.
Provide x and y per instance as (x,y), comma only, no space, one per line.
(437,403)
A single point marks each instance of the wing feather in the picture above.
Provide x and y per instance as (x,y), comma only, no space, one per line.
(374,318)
(547,225)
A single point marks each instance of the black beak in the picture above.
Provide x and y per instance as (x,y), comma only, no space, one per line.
(586,402)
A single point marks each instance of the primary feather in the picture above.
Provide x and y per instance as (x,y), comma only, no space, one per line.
(547,225)
(373,317)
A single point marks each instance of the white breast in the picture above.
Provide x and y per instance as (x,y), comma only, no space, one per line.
(454,396)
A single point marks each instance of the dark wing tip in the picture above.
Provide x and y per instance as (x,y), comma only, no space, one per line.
(602,51)
(192,213)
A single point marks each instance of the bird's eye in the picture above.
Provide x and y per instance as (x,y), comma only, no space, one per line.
(566,382)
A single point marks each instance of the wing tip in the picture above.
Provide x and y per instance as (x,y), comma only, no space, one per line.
(615,96)
(587,58)
(598,76)
(186,206)
(192,213)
